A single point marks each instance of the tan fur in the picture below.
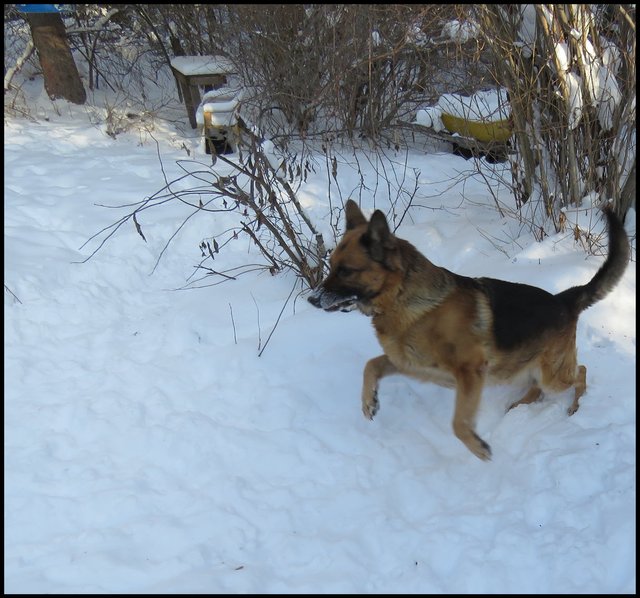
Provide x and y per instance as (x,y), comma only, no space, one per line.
(438,327)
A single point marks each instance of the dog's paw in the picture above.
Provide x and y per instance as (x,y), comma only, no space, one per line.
(480,448)
(370,406)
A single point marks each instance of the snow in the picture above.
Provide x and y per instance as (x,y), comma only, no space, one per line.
(221,105)
(460,31)
(148,449)
(574,84)
(485,106)
(488,106)
(563,58)
(600,70)
(430,116)
(202,65)
(600,82)
(270,151)
(604,90)
(527,29)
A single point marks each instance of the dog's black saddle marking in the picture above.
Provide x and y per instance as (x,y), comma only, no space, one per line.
(521,311)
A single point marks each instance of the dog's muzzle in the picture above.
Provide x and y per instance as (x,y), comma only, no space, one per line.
(329,301)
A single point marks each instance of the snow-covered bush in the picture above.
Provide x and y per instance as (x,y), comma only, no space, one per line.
(570,74)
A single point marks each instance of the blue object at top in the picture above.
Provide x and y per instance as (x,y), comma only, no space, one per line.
(37,7)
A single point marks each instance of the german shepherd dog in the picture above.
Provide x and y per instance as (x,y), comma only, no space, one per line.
(456,331)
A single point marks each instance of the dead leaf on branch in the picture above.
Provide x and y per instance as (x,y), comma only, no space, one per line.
(138,227)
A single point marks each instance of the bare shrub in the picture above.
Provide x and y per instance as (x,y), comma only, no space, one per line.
(317,70)
(256,188)
(320,69)
(335,68)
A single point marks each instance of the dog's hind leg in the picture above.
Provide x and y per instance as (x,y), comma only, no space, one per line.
(559,367)
(560,371)
(376,368)
(533,395)
(580,385)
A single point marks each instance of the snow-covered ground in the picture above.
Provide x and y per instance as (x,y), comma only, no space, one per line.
(149,449)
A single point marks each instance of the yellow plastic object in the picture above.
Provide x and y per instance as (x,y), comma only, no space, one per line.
(482,130)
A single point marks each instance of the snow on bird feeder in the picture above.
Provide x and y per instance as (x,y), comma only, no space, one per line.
(217,117)
(193,73)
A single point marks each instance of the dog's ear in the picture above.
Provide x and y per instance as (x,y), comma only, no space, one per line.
(378,239)
(353,214)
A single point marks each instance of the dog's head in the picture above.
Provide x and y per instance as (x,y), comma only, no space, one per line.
(361,263)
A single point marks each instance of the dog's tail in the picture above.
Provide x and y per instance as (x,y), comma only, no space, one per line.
(580,297)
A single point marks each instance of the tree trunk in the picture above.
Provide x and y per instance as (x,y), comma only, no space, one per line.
(61,77)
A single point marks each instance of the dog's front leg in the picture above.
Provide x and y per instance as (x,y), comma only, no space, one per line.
(469,383)
(376,368)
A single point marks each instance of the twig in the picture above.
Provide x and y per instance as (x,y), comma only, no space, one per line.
(18,65)
(278,319)
(233,323)
(6,288)
(258,316)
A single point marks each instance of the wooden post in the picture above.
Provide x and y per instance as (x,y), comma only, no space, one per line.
(190,92)
(61,77)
